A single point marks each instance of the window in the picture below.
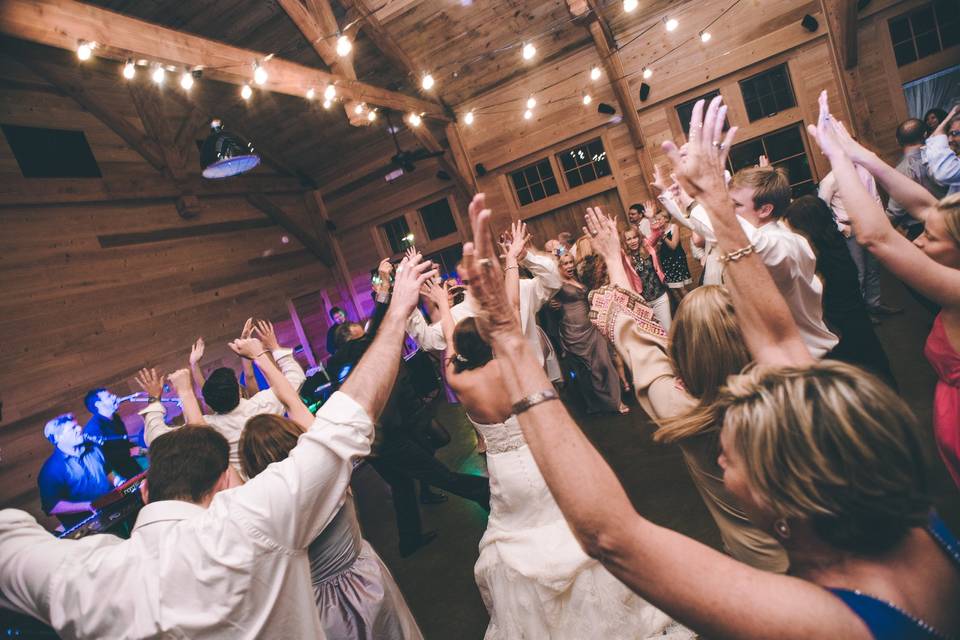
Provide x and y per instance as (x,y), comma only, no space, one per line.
(925,31)
(767,93)
(784,148)
(584,163)
(447,260)
(51,153)
(398,234)
(438,219)
(534,182)
(685,110)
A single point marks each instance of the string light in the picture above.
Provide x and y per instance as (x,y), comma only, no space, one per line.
(85,50)
(630,5)
(186,80)
(129,70)
(531,102)
(326,104)
(527,114)
(672,24)
(705,36)
(311,93)
(358,109)
(415,119)
(427,82)
(330,92)
(159,73)
(595,73)
(468,118)
(647,72)
(529,51)
(587,99)
(372,115)
(246,92)
(259,74)
(344,46)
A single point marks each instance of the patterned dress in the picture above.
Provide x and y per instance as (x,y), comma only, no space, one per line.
(674,261)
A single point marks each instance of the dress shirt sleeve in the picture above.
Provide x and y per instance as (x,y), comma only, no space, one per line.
(546,278)
(671,206)
(31,560)
(153,424)
(943,162)
(428,336)
(291,502)
(289,367)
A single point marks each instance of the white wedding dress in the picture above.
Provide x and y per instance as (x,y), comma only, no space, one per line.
(535,580)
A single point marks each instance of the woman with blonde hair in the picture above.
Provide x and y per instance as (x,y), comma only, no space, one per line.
(356,595)
(647,268)
(930,264)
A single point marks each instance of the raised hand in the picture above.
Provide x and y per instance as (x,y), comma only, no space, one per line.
(180,380)
(699,169)
(410,252)
(247,330)
(824,132)
(384,269)
(763,161)
(435,292)
(495,318)
(267,335)
(196,352)
(149,381)
(603,233)
(248,348)
(518,240)
(659,181)
(411,276)
(942,127)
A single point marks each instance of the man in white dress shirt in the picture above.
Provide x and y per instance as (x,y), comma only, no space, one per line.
(207,559)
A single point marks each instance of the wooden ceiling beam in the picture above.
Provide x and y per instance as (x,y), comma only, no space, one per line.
(64,23)
(841,18)
(280,217)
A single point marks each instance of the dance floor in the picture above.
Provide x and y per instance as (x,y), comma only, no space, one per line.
(438,579)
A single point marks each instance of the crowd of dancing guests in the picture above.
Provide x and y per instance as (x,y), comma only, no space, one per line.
(768,375)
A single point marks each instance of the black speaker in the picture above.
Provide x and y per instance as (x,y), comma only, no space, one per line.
(331,226)
(606,109)
(644,91)
(809,23)
(443,175)
(481,170)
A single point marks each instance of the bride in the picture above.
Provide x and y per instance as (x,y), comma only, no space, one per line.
(535,580)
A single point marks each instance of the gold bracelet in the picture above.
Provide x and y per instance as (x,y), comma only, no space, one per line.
(513,267)
(733,256)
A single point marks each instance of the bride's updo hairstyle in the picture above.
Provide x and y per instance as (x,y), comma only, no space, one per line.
(472,350)
(832,445)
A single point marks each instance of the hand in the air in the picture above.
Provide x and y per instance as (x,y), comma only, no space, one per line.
(181,380)
(410,277)
(248,348)
(149,381)
(267,335)
(603,233)
(699,169)
(196,352)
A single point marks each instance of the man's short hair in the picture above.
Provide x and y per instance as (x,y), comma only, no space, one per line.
(342,334)
(53,428)
(565,237)
(770,186)
(911,131)
(90,400)
(221,391)
(637,206)
(186,463)
(335,310)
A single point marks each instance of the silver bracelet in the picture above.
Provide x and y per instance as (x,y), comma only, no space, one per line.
(533,400)
(733,256)
(513,267)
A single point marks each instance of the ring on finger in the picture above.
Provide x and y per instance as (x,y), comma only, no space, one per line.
(716,144)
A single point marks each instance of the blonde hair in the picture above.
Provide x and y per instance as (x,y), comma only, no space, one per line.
(583,247)
(950,208)
(266,438)
(770,186)
(831,444)
(706,347)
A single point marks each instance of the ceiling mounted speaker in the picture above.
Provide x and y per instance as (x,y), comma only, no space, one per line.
(606,109)
(481,170)
(809,23)
(644,91)
(224,154)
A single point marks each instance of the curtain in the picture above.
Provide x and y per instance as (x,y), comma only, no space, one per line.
(941,89)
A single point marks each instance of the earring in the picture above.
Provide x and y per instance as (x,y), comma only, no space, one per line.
(781,528)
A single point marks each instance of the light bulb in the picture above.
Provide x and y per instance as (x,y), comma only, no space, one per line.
(84,51)
(531,102)
(259,74)
(344,46)
(427,82)
(326,104)
(159,74)
(246,92)
(330,92)
(358,109)
(672,24)
(529,51)
(647,72)
(629,5)
(595,73)
(186,81)
(129,70)
(371,115)
(705,36)
(311,93)
(586,98)
(527,114)
(468,118)
(415,119)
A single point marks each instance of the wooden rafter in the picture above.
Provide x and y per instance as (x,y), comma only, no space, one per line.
(64,23)
(841,18)
(282,218)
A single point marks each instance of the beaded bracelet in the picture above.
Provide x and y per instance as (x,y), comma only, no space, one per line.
(733,256)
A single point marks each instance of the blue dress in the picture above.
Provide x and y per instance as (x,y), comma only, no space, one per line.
(888,622)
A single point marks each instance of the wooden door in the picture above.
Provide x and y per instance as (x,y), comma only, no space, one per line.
(570,217)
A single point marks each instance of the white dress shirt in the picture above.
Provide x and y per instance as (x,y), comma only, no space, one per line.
(944,163)
(534,293)
(230,424)
(793,266)
(237,569)
(829,192)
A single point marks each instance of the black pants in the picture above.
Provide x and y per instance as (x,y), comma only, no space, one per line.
(401,462)
(859,344)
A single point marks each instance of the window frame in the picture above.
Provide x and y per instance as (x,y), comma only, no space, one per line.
(769,70)
(585,143)
(937,30)
(799,126)
(554,169)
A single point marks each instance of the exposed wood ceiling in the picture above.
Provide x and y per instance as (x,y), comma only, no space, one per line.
(468,45)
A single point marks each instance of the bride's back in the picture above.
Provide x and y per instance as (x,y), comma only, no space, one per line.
(481,393)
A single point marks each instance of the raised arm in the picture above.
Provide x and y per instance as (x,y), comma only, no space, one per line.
(252,349)
(768,327)
(944,163)
(196,355)
(872,227)
(183,385)
(438,294)
(603,237)
(515,249)
(153,413)
(285,362)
